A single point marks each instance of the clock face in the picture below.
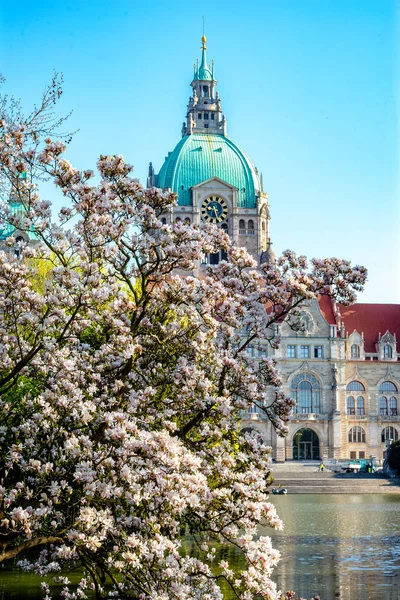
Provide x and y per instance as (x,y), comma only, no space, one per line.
(214,210)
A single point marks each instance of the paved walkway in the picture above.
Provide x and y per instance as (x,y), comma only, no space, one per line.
(305,478)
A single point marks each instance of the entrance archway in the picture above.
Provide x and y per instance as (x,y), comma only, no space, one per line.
(306,445)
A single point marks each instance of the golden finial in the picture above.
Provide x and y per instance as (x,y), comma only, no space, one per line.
(203,41)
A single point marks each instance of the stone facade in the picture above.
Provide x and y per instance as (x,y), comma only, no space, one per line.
(350,405)
(339,369)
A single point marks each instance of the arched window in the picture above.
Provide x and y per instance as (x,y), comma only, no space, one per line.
(178,220)
(393,406)
(242,227)
(355,386)
(387,386)
(164,221)
(383,406)
(224,227)
(355,351)
(357,434)
(187,221)
(351,405)
(360,406)
(250,227)
(387,351)
(389,433)
(305,390)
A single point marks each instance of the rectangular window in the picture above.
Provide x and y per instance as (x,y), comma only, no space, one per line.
(353,455)
(291,351)
(206,125)
(318,352)
(212,116)
(206,116)
(199,116)
(304,351)
(361,455)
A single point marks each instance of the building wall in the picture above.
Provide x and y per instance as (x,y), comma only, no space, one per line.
(334,371)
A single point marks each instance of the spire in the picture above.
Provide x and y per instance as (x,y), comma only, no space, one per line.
(203,73)
(204,112)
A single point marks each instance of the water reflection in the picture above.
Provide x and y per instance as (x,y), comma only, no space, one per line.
(340,546)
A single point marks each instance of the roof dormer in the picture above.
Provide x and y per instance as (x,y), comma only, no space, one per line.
(355,346)
(386,346)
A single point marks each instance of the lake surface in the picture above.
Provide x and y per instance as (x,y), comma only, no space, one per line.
(337,545)
(340,546)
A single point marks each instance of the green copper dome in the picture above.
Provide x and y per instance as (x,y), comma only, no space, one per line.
(7,230)
(16,208)
(199,157)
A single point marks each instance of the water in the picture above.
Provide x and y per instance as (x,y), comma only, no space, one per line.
(337,545)
(340,546)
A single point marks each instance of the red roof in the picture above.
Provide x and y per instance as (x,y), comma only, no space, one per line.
(372,320)
(326,306)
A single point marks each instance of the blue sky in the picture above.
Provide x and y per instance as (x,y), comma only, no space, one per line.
(309,89)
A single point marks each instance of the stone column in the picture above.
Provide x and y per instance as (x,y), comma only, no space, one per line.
(280,454)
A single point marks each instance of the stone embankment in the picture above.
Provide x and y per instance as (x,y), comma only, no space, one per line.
(305,478)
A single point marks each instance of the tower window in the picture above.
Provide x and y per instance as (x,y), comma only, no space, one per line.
(205,91)
(206,116)
(206,125)
(212,116)
(355,351)
(199,116)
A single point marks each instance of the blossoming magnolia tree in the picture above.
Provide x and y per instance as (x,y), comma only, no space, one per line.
(122,383)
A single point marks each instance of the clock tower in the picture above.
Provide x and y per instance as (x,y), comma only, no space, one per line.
(213,178)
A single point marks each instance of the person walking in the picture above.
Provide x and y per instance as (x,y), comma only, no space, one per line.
(322,467)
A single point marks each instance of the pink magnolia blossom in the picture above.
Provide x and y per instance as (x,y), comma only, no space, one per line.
(122,382)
